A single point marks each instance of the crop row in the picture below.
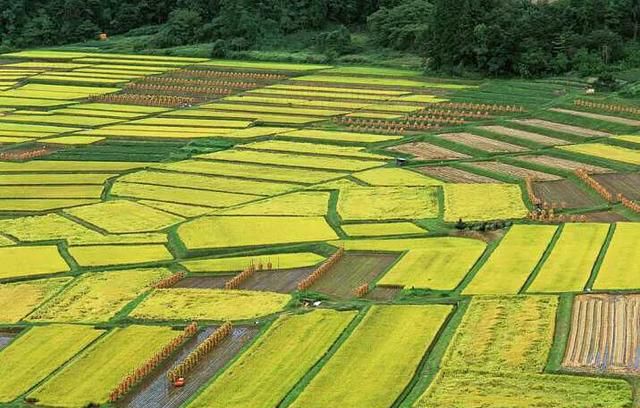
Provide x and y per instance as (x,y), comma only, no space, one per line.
(179,89)
(199,73)
(190,361)
(168,101)
(607,106)
(138,374)
(593,183)
(164,80)
(321,270)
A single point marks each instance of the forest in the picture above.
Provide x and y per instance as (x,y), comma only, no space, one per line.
(524,38)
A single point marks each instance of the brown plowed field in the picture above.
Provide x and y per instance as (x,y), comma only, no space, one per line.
(561,127)
(563,194)
(563,164)
(353,270)
(285,281)
(604,216)
(482,143)
(522,134)
(604,334)
(626,183)
(156,391)
(606,118)
(514,171)
(453,175)
(428,151)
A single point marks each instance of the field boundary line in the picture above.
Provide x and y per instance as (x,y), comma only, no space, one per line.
(471,274)
(600,259)
(542,261)
(430,366)
(66,363)
(299,387)
(561,333)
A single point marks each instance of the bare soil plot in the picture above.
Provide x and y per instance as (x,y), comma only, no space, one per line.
(482,143)
(353,270)
(522,134)
(428,151)
(563,194)
(626,183)
(563,164)
(605,334)
(383,293)
(604,216)
(606,118)
(561,127)
(156,391)
(6,336)
(453,175)
(514,171)
(285,281)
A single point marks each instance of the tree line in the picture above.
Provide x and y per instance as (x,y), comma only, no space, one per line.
(492,37)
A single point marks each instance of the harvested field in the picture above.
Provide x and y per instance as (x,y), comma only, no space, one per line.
(353,270)
(156,391)
(604,216)
(497,357)
(561,127)
(606,118)
(482,143)
(453,175)
(428,151)
(604,334)
(626,183)
(563,164)
(277,361)
(276,281)
(6,337)
(514,171)
(522,134)
(563,194)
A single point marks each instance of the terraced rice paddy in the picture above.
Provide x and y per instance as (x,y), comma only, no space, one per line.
(488,201)
(387,203)
(38,353)
(198,304)
(509,368)
(608,152)
(374,237)
(392,361)
(269,363)
(96,371)
(509,266)
(570,264)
